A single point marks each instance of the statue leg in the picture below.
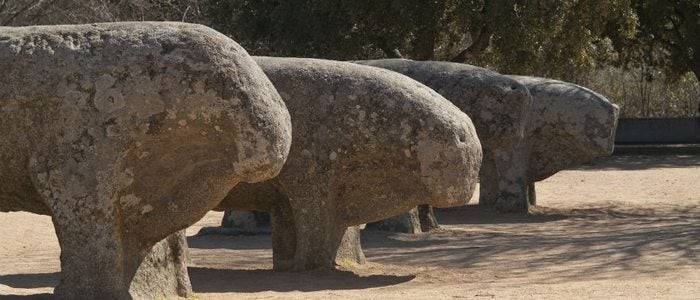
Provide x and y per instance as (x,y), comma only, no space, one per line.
(100,261)
(503,181)
(531,194)
(428,222)
(284,236)
(322,242)
(101,257)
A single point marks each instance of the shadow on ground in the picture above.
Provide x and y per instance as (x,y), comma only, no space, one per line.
(474,214)
(208,280)
(30,281)
(27,297)
(218,241)
(555,245)
(589,243)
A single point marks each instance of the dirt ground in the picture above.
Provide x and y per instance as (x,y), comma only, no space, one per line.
(623,227)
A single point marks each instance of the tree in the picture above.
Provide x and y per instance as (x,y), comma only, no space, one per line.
(553,38)
(559,38)
(556,38)
(46,12)
(22,11)
(669,35)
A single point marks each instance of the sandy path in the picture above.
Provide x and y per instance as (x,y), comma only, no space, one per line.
(626,227)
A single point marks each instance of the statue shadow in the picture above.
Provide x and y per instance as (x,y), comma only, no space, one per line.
(30,281)
(232,242)
(475,214)
(594,243)
(386,239)
(209,280)
(30,297)
(264,241)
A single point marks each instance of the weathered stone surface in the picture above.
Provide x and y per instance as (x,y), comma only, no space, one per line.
(499,107)
(127,133)
(368,144)
(569,125)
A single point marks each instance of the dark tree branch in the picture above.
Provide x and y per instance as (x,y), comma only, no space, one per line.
(483,39)
(427,34)
(389,50)
(24,9)
(482,42)
(669,44)
(3,5)
(392,52)
(34,18)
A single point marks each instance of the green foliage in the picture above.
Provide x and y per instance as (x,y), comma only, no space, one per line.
(651,44)
(634,50)
(555,38)
(39,12)
(669,36)
(560,39)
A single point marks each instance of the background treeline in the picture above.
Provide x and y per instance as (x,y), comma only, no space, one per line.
(642,54)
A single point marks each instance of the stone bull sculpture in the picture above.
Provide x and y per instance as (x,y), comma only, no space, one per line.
(566,125)
(126,134)
(569,125)
(499,107)
(367,144)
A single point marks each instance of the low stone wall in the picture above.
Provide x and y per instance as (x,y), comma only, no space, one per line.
(658,131)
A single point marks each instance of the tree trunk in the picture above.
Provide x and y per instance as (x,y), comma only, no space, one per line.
(481,43)
(392,52)
(483,38)
(427,34)
(424,45)
(696,71)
